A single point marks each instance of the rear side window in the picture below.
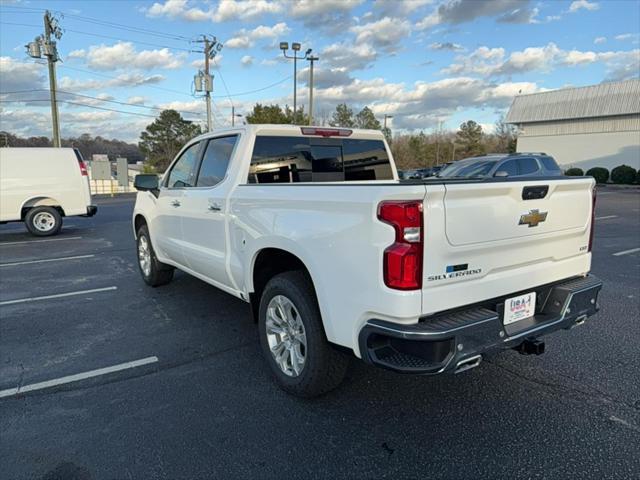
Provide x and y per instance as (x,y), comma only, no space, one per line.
(300,159)
(550,164)
(528,165)
(215,161)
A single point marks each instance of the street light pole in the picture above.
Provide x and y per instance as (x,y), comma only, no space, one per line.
(385,120)
(311,59)
(284,46)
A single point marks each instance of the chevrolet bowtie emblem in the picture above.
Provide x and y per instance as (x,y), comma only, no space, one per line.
(533,218)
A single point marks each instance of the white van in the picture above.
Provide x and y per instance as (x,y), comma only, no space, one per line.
(39,186)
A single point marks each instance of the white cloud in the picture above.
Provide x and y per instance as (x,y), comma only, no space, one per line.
(454,47)
(81,53)
(124,55)
(330,16)
(245,9)
(137,100)
(122,80)
(462,11)
(394,8)
(583,4)
(599,40)
(178,9)
(246,61)
(17,75)
(385,33)
(628,36)
(347,55)
(246,38)
(194,106)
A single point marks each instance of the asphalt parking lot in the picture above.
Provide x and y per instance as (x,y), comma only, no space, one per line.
(170,383)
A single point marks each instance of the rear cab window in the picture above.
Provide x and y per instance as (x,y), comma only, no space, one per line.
(292,159)
(550,164)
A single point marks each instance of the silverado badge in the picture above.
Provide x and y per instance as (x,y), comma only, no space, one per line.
(533,218)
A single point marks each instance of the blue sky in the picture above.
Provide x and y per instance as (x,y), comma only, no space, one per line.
(425,62)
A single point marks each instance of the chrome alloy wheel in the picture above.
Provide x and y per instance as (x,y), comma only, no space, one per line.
(44,221)
(144,255)
(286,335)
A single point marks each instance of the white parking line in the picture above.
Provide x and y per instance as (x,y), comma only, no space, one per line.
(38,241)
(9,392)
(59,295)
(30,262)
(606,217)
(625,252)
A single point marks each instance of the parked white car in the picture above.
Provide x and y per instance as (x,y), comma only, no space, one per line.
(312,227)
(40,186)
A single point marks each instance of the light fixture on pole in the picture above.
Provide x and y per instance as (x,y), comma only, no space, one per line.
(385,120)
(234,115)
(284,46)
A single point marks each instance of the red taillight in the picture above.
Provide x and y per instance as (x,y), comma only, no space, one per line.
(83,169)
(593,217)
(403,260)
(326,132)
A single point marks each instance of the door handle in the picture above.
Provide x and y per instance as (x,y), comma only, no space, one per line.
(214,207)
(175,203)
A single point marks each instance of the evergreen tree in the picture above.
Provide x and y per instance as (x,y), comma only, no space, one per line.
(342,117)
(470,137)
(163,139)
(366,119)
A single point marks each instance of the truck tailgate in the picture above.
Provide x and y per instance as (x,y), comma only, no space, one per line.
(484,240)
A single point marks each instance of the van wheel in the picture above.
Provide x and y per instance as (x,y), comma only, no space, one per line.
(154,272)
(43,221)
(293,339)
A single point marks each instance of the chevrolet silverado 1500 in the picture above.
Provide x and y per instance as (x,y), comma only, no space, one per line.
(335,255)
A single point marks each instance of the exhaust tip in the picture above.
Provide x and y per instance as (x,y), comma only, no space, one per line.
(468,363)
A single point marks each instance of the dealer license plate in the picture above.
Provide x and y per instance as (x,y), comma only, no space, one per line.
(520,307)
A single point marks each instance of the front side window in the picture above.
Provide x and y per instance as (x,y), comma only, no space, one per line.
(183,171)
(215,161)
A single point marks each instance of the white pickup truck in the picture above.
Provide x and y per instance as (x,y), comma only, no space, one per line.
(336,255)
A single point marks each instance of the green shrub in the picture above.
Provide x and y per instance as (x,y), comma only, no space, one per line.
(600,174)
(574,172)
(638,176)
(623,174)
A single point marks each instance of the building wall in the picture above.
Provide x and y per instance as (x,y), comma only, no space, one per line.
(585,143)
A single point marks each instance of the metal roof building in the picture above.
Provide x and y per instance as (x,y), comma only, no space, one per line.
(595,126)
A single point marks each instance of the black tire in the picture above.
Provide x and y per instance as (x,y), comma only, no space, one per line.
(43,221)
(324,367)
(158,273)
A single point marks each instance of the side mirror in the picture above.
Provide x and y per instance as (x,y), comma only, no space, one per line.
(499,173)
(147,182)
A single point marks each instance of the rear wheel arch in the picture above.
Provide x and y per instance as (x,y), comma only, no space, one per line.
(40,201)
(268,263)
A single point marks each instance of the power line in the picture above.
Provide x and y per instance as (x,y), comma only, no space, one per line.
(186,112)
(95,107)
(223,82)
(84,18)
(138,42)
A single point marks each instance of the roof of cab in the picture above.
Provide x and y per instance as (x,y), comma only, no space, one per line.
(290,130)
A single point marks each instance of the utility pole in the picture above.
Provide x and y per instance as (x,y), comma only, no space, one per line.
(47,47)
(284,46)
(204,80)
(207,91)
(311,59)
